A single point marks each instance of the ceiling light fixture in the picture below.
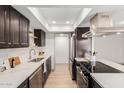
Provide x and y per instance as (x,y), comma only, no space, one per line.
(54,22)
(94,34)
(85,36)
(67,22)
(61,35)
(104,36)
(118,33)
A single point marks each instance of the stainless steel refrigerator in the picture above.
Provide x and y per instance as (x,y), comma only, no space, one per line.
(79,47)
(72,55)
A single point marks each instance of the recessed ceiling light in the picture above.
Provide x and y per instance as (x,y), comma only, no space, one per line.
(118,33)
(94,33)
(104,36)
(54,22)
(122,22)
(67,22)
(85,36)
(61,34)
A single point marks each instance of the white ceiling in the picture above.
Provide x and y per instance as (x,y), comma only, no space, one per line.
(61,15)
(42,16)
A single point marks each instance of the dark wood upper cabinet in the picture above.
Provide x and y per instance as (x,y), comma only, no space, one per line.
(24,26)
(2,26)
(7,26)
(14,28)
(41,37)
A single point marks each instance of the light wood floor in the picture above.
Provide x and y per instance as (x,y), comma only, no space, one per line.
(60,78)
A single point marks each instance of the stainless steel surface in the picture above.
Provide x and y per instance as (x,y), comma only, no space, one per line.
(72,46)
(36,60)
(71,60)
(103,19)
(102,24)
(2,68)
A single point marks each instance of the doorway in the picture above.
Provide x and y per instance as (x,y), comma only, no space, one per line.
(61,48)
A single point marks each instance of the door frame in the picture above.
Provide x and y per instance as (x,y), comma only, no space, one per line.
(54,47)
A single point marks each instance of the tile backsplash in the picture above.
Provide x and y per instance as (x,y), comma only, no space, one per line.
(23,53)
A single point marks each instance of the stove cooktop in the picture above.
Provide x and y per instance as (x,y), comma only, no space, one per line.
(99,68)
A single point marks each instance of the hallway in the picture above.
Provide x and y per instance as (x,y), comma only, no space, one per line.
(60,78)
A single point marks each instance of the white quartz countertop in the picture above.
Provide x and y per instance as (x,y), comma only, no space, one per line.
(112,64)
(109,80)
(13,77)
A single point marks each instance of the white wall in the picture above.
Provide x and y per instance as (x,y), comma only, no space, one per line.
(110,48)
(50,46)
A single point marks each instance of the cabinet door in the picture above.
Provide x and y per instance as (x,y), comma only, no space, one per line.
(35,81)
(7,26)
(49,64)
(14,27)
(37,33)
(24,28)
(43,36)
(2,24)
(43,80)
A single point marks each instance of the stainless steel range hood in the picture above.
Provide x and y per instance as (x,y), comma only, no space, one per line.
(102,24)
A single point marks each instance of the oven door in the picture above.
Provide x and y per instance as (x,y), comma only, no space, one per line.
(82,80)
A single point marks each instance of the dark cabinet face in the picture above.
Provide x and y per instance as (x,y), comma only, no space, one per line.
(24,24)
(7,25)
(14,27)
(41,35)
(35,81)
(37,33)
(2,24)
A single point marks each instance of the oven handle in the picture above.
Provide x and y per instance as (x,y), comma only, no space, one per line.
(83,76)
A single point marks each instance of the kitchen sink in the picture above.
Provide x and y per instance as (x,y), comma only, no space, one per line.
(36,60)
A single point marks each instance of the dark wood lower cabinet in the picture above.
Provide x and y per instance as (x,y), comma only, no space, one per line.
(39,77)
(48,70)
(35,80)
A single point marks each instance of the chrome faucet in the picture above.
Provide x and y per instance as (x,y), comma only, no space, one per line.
(30,51)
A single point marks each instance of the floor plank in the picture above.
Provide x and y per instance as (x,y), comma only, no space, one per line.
(60,78)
